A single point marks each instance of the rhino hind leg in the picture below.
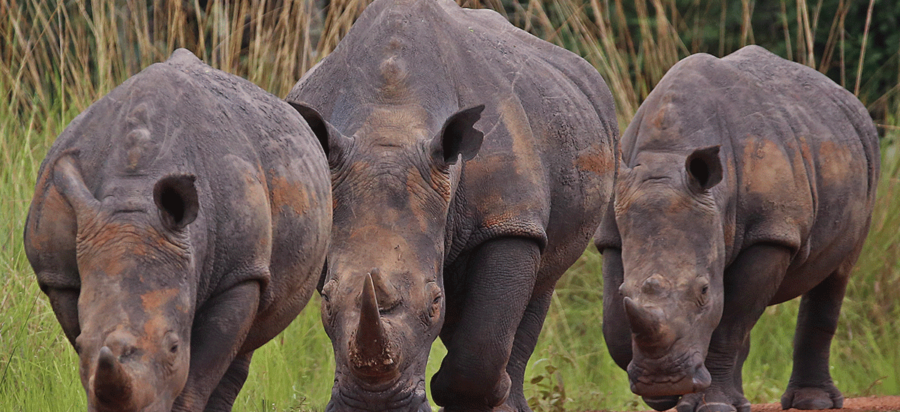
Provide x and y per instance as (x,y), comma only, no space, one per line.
(750,283)
(811,386)
(222,398)
(499,281)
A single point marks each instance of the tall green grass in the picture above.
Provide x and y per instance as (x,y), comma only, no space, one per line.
(57,57)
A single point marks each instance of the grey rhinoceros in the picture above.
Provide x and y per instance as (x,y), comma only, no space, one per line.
(470,164)
(178,224)
(745,181)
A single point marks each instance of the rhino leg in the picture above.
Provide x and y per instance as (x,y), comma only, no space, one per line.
(616,331)
(750,283)
(222,398)
(498,282)
(523,347)
(220,328)
(811,386)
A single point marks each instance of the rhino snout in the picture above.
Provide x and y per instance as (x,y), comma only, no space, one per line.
(667,377)
(399,396)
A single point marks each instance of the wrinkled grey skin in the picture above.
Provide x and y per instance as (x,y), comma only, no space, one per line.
(469,162)
(178,224)
(745,182)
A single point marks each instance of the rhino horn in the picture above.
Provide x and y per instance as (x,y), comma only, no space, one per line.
(646,324)
(370,350)
(112,384)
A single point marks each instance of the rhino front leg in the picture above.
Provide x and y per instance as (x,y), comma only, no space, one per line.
(220,328)
(750,283)
(498,285)
(222,398)
(523,346)
(616,331)
(811,386)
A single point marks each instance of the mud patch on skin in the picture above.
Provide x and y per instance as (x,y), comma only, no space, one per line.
(285,193)
(835,169)
(395,126)
(151,301)
(522,139)
(596,161)
(765,167)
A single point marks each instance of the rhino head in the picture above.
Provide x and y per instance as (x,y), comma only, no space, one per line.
(382,293)
(135,304)
(673,260)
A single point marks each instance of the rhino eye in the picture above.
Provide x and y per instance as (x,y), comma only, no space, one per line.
(435,306)
(174,348)
(705,289)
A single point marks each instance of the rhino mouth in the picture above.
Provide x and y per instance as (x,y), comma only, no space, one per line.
(399,396)
(669,377)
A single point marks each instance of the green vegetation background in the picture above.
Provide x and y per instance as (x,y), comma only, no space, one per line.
(60,56)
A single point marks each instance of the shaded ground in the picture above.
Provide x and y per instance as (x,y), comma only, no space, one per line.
(871,403)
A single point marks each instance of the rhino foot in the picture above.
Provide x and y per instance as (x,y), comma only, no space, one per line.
(812,398)
(713,400)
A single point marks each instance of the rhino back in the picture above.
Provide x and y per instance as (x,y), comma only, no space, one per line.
(246,147)
(546,165)
(800,152)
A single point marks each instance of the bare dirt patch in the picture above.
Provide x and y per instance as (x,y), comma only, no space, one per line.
(872,403)
(866,404)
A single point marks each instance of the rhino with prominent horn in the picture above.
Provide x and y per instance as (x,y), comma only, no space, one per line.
(470,164)
(178,224)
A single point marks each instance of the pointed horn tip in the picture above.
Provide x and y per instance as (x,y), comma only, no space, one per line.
(369,298)
(106,359)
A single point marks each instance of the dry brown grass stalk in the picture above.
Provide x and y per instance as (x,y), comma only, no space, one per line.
(65,54)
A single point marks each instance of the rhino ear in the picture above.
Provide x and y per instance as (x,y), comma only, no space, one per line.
(176,198)
(68,181)
(458,137)
(331,139)
(704,168)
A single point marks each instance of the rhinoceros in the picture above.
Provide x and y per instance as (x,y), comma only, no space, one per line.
(744,182)
(469,161)
(178,224)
